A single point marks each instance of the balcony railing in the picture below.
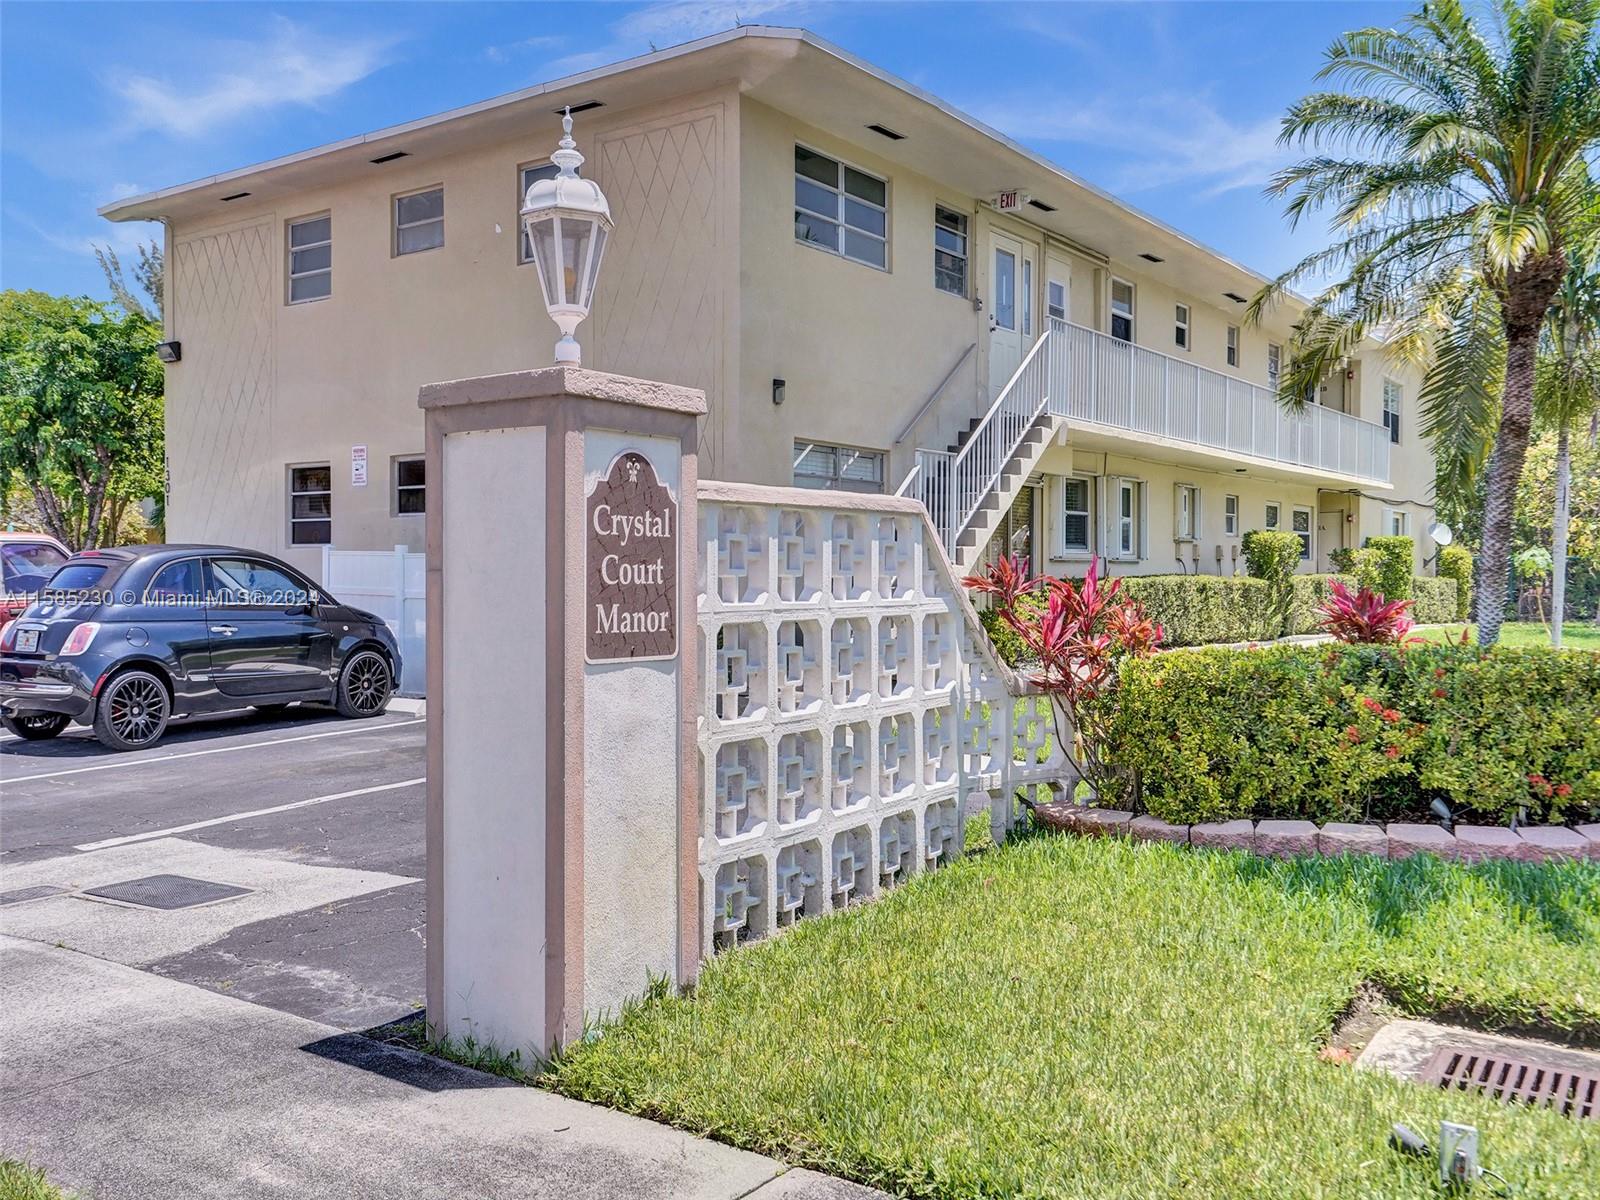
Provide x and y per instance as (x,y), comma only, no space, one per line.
(1101,380)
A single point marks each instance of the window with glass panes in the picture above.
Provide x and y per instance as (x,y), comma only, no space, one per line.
(310,259)
(311,505)
(1186,518)
(419,221)
(1274,365)
(1180,330)
(1127,521)
(1302,530)
(1391,409)
(1233,345)
(1230,515)
(1122,310)
(1056,299)
(410,485)
(950,251)
(1077,515)
(837,468)
(840,209)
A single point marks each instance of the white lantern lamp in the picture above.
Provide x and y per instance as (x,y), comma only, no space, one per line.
(567,220)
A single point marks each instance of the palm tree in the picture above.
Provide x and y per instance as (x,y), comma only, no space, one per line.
(1459,178)
(1567,391)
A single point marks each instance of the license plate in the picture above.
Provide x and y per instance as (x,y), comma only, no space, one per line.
(27,641)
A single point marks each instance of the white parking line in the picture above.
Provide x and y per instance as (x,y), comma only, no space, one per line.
(245,816)
(139,762)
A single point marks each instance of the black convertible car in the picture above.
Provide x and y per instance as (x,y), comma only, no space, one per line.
(124,639)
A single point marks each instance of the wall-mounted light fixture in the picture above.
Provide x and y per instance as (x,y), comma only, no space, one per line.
(169,352)
(779,387)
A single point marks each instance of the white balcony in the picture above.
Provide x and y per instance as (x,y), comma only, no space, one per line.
(1102,385)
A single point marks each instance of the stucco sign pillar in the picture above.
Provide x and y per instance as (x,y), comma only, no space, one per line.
(563,787)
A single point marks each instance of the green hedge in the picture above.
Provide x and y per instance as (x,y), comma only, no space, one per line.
(1455,564)
(1384,565)
(1433,601)
(1329,733)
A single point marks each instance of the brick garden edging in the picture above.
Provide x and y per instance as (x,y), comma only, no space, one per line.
(1285,839)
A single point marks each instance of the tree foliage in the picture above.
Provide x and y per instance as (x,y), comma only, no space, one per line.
(1452,166)
(149,275)
(81,411)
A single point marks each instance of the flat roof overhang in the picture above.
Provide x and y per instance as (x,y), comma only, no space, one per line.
(790,70)
(1082,435)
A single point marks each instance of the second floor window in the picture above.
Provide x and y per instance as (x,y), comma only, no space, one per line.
(840,209)
(1391,409)
(1233,345)
(1180,327)
(950,251)
(310,259)
(527,177)
(1122,310)
(1274,365)
(419,221)
(1056,299)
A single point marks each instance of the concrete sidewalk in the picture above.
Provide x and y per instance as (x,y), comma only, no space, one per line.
(124,1084)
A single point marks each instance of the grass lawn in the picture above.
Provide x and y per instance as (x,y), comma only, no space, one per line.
(18,1181)
(1575,635)
(1098,1018)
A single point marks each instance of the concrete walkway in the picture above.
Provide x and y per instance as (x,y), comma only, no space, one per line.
(120,1083)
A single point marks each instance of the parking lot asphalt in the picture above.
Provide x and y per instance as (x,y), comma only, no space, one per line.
(319,818)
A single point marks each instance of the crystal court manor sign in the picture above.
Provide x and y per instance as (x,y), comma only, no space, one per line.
(631,593)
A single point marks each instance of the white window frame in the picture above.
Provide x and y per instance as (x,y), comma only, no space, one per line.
(1397,522)
(1027,295)
(839,481)
(1274,366)
(1230,515)
(1128,532)
(1087,550)
(1180,327)
(1233,346)
(1394,393)
(1272,515)
(294,492)
(1057,311)
(397,488)
(396,225)
(838,218)
(1186,525)
(1308,536)
(290,250)
(526,174)
(963,255)
(1133,307)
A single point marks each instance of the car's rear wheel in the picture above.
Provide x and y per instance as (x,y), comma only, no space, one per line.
(36,727)
(364,685)
(132,712)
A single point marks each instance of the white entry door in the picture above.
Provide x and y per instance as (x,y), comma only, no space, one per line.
(1012,324)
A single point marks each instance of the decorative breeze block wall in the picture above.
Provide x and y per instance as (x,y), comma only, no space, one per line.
(853,712)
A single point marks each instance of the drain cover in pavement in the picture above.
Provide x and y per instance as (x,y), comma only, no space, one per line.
(30,893)
(1572,1093)
(167,891)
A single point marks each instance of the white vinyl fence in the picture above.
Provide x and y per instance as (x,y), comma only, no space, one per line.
(390,583)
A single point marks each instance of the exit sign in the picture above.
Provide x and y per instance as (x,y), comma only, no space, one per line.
(1010,201)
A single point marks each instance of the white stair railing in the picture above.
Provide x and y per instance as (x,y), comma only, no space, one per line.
(953,486)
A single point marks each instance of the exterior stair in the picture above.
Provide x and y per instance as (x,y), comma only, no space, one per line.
(986,517)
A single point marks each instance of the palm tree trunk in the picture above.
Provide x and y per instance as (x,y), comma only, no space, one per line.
(1558,541)
(1505,470)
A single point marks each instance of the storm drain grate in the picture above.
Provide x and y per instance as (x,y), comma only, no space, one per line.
(21,895)
(1572,1093)
(167,891)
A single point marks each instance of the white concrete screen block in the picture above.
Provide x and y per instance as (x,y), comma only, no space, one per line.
(495,784)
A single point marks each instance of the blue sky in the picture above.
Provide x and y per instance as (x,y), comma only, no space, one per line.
(1173,107)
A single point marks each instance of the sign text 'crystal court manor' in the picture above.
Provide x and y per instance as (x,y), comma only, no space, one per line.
(631,600)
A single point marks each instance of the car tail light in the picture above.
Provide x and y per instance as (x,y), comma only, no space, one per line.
(80,637)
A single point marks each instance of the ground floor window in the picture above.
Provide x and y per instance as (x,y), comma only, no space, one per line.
(1129,495)
(1186,513)
(1396,522)
(1077,515)
(1230,516)
(1274,515)
(1302,530)
(837,468)
(311,505)
(410,485)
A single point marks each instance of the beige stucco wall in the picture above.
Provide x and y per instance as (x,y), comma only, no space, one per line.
(264,384)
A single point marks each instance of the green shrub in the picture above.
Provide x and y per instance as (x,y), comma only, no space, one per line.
(1310,593)
(1273,555)
(1343,559)
(1455,564)
(1330,733)
(1195,610)
(1007,644)
(1394,558)
(1433,601)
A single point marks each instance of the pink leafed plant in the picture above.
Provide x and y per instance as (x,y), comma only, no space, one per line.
(1075,641)
(1365,617)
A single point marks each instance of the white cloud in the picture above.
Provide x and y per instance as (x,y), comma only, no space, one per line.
(510,50)
(1158,140)
(123,237)
(293,64)
(667,24)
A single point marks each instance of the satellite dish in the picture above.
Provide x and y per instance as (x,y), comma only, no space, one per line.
(1441,534)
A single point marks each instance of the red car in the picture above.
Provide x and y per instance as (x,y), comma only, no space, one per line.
(26,561)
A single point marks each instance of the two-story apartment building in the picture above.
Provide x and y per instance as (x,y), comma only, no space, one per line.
(875,290)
